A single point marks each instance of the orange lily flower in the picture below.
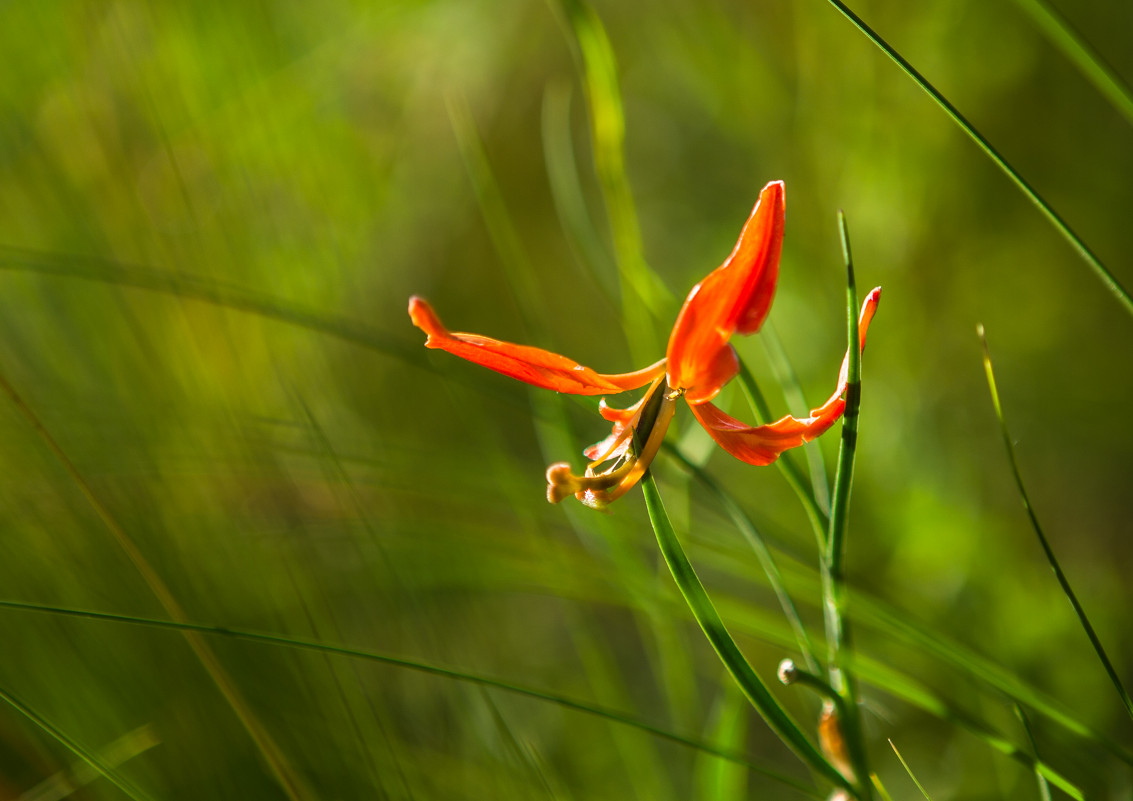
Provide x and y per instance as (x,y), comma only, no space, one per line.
(734,298)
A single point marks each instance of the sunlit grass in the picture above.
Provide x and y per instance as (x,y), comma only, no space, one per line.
(211,218)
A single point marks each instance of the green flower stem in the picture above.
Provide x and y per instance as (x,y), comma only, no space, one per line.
(1063,582)
(713,627)
(790,673)
(833,575)
(759,546)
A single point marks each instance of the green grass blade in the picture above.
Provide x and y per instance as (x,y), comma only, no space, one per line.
(716,778)
(644,297)
(713,627)
(1063,581)
(908,770)
(750,533)
(289,781)
(497,219)
(1044,786)
(793,393)
(82,753)
(877,785)
(567,194)
(888,679)
(838,639)
(1100,270)
(882,619)
(1059,30)
(207,290)
(900,686)
(786,464)
(304,644)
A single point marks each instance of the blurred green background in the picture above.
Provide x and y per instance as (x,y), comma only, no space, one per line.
(211,218)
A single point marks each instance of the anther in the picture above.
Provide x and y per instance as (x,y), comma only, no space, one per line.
(562,483)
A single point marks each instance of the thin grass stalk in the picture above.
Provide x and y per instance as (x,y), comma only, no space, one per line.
(728,722)
(71,745)
(1044,785)
(787,466)
(706,616)
(909,771)
(643,296)
(838,639)
(207,290)
(277,762)
(1096,265)
(304,644)
(882,677)
(793,393)
(567,194)
(887,621)
(1059,30)
(1063,581)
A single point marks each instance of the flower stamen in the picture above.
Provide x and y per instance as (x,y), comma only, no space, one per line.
(562,483)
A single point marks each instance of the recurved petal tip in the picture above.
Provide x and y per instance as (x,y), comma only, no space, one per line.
(423,316)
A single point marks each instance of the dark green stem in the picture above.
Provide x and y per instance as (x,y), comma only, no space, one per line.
(759,546)
(838,637)
(713,627)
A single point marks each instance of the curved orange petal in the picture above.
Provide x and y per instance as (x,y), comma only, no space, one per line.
(760,445)
(734,297)
(531,365)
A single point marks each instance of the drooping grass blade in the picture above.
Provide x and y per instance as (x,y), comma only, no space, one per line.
(290,782)
(1063,581)
(71,745)
(303,644)
(1059,30)
(1100,270)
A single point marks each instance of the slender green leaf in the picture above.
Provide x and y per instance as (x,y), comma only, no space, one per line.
(71,745)
(793,393)
(1099,269)
(713,627)
(304,644)
(1059,30)
(1063,581)
(1044,785)
(644,297)
(908,770)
